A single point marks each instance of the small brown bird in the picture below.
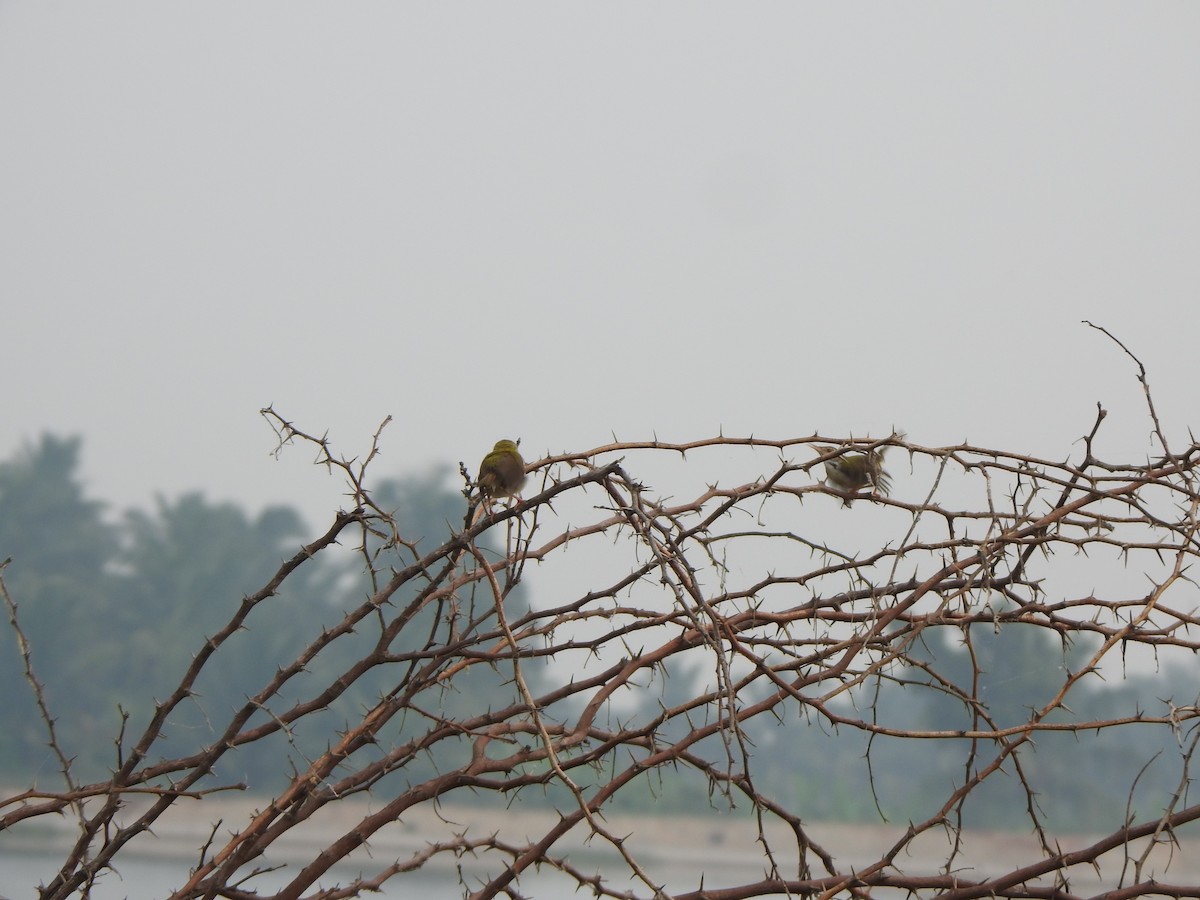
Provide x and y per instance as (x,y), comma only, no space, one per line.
(502,472)
(852,472)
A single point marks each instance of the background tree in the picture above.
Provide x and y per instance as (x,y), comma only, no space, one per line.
(185,567)
(116,611)
(62,551)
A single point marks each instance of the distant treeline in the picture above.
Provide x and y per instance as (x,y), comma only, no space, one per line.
(114,608)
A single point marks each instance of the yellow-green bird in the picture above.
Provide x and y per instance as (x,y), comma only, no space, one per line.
(852,472)
(502,472)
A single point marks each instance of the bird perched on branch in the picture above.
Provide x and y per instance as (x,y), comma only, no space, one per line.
(502,472)
(852,472)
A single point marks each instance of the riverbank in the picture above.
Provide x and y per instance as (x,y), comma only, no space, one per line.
(721,847)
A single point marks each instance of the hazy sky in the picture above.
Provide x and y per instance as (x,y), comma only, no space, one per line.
(560,221)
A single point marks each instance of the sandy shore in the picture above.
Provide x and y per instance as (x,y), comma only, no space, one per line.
(717,843)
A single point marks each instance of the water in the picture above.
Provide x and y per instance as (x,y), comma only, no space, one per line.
(678,853)
(148,877)
(154,865)
(142,876)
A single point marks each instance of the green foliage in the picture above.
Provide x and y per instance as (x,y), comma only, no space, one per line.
(115,613)
(841,773)
(425,511)
(60,575)
(39,489)
(187,566)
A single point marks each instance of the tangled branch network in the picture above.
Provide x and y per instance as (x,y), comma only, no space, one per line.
(682,646)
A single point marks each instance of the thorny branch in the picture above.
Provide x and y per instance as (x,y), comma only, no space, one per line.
(799,607)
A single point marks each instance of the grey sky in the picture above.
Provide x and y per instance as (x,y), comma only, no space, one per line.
(558,221)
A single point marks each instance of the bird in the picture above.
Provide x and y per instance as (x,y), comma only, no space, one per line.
(502,472)
(852,472)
